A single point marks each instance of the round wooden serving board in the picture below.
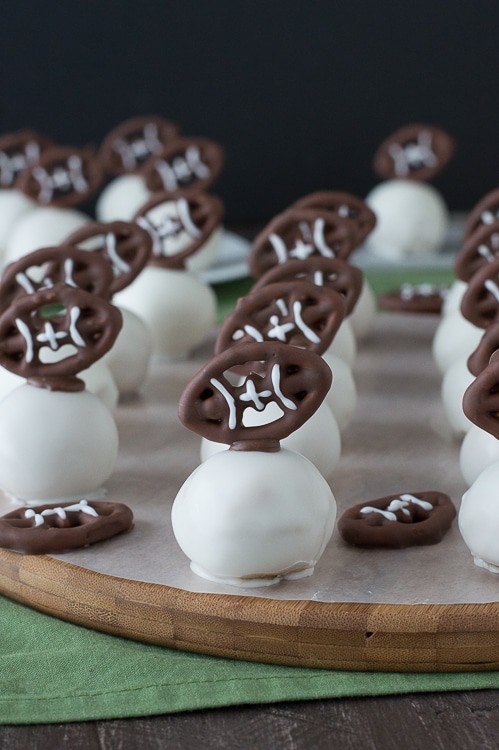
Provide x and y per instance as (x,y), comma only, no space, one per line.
(423,609)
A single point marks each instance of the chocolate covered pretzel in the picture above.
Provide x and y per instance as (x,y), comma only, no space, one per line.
(189,164)
(124,245)
(481,398)
(398,521)
(298,234)
(51,266)
(479,248)
(296,380)
(414,152)
(485,212)
(295,313)
(60,527)
(48,320)
(344,205)
(332,273)
(489,344)
(18,151)
(414,298)
(480,302)
(62,177)
(178,224)
(132,143)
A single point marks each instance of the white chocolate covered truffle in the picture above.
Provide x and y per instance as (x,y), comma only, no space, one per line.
(13,206)
(456,380)
(55,444)
(179,309)
(479,449)
(43,226)
(412,219)
(252,518)
(454,339)
(129,358)
(479,519)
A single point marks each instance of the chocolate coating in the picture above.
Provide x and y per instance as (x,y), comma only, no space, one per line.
(51,266)
(169,216)
(18,151)
(213,406)
(189,164)
(344,205)
(52,318)
(297,313)
(414,152)
(300,233)
(489,343)
(479,248)
(414,298)
(133,142)
(332,273)
(481,399)
(73,526)
(123,245)
(416,526)
(62,177)
(480,302)
(484,212)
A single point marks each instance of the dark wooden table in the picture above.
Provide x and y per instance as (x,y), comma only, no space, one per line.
(461,721)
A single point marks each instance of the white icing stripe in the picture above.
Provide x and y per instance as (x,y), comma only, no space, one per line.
(319,241)
(253,332)
(143,222)
(492,287)
(276,382)
(230,402)
(484,251)
(318,278)
(307,332)
(279,247)
(26,334)
(185,218)
(385,513)
(26,284)
(417,501)
(282,306)
(38,518)
(73,331)
(68,272)
(251,394)
(118,263)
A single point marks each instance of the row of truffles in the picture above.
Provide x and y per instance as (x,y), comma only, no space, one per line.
(465,351)
(269,403)
(43,184)
(277,393)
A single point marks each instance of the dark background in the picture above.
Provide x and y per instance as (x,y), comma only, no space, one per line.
(300,92)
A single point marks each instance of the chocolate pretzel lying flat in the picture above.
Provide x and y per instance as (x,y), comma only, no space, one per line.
(59,527)
(398,521)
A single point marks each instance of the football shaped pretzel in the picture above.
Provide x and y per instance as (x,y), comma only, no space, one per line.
(415,152)
(51,266)
(479,248)
(191,164)
(331,273)
(129,145)
(18,151)
(489,344)
(485,212)
(124,245)
(298,234)
(481,399)
(294,379)
(345,205)
(480,302)
(62,177)
(179,224)
(296,313)
(49,320)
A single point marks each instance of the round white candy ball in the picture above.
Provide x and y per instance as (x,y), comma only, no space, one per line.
(456,380)
(412,219)
(479,449)
(13,205)
(42,227)
(179,309)
(455,338)
(363,316)
(121,198)
(129,358)
(342,396)
(249,518)
(54,444)
(479,519)
(344,344)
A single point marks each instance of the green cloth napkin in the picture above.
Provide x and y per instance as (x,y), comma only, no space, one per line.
(53,671)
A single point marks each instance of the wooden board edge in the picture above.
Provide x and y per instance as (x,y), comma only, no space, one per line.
(346,636)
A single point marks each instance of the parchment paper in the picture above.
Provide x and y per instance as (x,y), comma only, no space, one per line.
(399,441)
